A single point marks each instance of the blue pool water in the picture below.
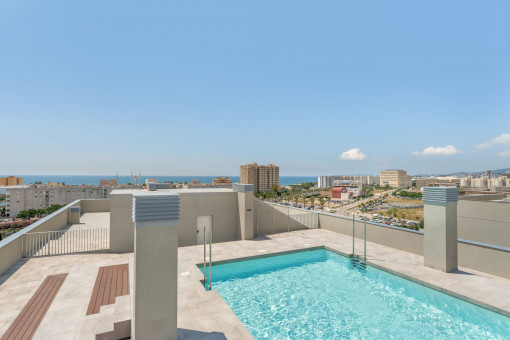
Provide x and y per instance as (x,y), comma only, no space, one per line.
(317,294)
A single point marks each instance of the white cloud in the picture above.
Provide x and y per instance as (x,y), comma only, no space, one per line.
(503,139)
(438,151)
(353,155)
(504,154)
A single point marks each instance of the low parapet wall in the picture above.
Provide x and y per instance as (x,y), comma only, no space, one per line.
(485,258)
(10,247)
(95,205)
(394,237)
(484,222)
(273,218)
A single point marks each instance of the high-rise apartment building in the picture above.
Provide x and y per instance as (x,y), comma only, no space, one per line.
(10,180)
(263,177)
(395,178)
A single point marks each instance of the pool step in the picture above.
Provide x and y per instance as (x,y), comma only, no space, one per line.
(359,264)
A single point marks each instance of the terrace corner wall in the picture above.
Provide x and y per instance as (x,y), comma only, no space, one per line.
(272,218)
(95,205)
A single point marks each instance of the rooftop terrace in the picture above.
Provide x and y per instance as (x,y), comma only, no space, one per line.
(203,314)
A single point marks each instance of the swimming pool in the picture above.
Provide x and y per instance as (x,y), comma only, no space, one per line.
(317,294)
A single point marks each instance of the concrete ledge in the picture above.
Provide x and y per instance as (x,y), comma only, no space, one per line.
(10,247)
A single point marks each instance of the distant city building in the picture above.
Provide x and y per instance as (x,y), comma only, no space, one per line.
(263,177)
(395,178)
(346,189)
(327,181)
(420,182)
(108,182)
(222,181)
(465,182)
(151,180)
(218,182)
(42,196)
(10,180)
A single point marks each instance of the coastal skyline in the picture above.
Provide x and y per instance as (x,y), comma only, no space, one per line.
(176,88)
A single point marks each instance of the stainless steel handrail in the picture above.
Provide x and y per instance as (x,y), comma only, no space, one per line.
(353,234)
(205,261)
(365,246)
(210,259)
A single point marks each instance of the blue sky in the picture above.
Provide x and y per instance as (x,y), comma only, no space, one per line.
(199,87)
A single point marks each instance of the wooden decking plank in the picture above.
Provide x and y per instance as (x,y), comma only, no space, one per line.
(18,323)
(32,328)
(95,291)
(111,281)
(26,323)
(125,283)
(100,293)
(118,289)
(108,287)
(113,289)
(30,322)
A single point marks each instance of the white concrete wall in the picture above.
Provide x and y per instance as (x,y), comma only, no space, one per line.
(486,222)
(485,259)
(272,218)
(223,206)
(94,205)
(122,227)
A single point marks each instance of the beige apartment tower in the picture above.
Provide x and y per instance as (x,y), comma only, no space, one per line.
(10,181)
(262,177)
(395,179)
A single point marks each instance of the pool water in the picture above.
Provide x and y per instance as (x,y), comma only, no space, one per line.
(317,294)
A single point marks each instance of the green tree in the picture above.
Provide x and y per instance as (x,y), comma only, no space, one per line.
(321,202)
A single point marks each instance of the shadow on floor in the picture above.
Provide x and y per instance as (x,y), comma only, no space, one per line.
(261,238)
(189,334)
(461,272)
(13,269)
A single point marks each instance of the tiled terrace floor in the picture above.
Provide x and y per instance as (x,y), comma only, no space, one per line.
(203,314)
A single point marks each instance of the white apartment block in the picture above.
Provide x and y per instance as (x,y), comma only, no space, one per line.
(465,182)
(327,181)
(41,196)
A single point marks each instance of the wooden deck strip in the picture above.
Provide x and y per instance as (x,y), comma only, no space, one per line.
(28,320)
(111,281)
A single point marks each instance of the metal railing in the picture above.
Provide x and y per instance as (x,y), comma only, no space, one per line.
(357,261)
(62,242)
(208,280)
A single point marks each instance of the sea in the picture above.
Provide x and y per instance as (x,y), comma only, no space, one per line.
(94,180)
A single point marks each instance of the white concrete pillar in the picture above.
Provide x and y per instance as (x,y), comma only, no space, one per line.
(246,210)
(155,266)
(122,227)
(440,217)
